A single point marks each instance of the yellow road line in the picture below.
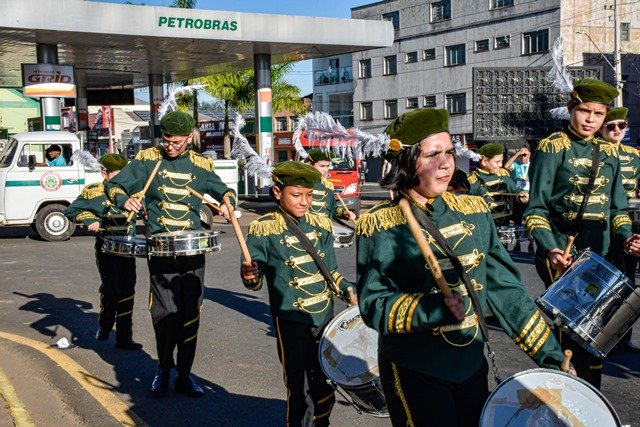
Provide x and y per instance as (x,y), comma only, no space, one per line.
(19,413)
(97,388)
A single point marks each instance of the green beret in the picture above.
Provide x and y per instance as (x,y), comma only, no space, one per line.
(412,127)
(295,173)
(113,162)
(617,113)
(318,155)
(591,90)
(491,150)
(177,123)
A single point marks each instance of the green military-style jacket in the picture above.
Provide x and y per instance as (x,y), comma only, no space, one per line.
(629,169)
(93,205)
(559,174)
(491,186)
(399,298)
(297,290)
(324,200)
(169,204)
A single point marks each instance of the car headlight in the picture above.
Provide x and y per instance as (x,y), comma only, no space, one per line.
(350,189)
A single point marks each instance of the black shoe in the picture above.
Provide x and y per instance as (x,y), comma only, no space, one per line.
(102,334)
(160,383)
(629,347)
(128,345)
(185,384)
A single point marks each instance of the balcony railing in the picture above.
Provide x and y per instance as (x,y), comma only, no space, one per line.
(333,76)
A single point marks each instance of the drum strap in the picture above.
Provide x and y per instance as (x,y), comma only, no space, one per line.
(431,228)
(593,171)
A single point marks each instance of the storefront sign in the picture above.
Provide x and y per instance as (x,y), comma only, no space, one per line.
(48,80)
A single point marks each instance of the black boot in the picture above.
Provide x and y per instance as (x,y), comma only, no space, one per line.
(185,384)
(160,383)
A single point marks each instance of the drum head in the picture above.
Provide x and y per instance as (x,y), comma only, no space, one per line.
(348,350)
(542,397)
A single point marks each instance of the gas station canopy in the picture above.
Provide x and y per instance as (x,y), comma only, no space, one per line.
(117,46)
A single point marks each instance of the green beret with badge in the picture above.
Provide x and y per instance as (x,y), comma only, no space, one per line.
(177,123)
(491,150)
(113,162)
(295,173)
(617,113)
(592,90)
(411,128)
(318,155)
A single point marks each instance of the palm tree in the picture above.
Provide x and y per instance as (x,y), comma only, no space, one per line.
(184,4)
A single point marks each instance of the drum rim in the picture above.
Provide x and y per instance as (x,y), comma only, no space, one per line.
(552,371)
(186,233)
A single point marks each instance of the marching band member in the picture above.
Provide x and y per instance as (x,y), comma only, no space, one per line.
(117,273)
(431,352)
(177,283)
(300,296)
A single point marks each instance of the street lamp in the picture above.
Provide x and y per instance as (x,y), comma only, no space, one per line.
(616,72)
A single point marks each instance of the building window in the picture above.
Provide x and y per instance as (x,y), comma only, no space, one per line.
(497,4)
(457,103)
(391,109)
(412,57)
(390,65)
(481,46)
(441,11)
(281,124)
(535,42)
(394,17)
(430,101)
(428,54)
(364,69)
(501,42)
(366,111)
(625,31)
(283,155)
(412,103)
(454,55)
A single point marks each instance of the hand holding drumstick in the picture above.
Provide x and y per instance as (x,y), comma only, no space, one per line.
(134,204)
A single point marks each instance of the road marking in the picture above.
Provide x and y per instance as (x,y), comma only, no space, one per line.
(94,386)
(19,413)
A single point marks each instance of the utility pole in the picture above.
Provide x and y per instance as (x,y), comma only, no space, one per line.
(616,54)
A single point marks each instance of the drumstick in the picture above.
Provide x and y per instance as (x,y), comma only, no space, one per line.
(350,295)
(146,187)
(203,198)
(567,251)
(237,230)
(564,366)
(427,253)
(342,203)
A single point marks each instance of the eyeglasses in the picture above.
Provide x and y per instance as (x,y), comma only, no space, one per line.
(173,144)
(612,126)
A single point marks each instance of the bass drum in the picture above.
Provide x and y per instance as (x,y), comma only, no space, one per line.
(542,397)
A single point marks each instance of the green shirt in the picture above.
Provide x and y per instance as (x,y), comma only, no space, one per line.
(491,186)
(399,298)
(297,290)
(169,204)
(559,175)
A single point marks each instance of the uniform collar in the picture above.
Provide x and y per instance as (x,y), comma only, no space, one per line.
(283,213)
(574,137)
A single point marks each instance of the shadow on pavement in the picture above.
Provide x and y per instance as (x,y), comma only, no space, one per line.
(250,306)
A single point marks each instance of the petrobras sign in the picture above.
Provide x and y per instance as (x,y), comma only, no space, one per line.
(48,80)
(197,23)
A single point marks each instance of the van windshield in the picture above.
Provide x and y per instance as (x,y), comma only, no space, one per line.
(6,158)
(342,164)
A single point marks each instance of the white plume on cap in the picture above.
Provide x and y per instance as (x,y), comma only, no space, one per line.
(171,102)
(558,74)
(255,166)
(463,151)
(86,159)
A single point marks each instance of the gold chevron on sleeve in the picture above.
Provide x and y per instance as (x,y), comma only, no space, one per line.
(528,326)
(619,221)
(534,222)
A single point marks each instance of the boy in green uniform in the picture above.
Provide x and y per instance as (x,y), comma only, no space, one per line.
(177,283)
(300,297)
(431,352)
(559,176)
(117,273)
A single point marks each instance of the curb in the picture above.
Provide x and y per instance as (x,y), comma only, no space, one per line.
(19,414)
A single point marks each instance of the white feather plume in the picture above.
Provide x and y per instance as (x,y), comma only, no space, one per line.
(462,151)
(255,165)
(558,74)
(301,126)
(560,113)
(86,159)
(171,102)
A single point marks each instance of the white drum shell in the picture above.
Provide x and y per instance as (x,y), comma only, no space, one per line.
(183,243)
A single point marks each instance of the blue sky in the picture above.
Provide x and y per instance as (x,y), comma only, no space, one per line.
(302,73)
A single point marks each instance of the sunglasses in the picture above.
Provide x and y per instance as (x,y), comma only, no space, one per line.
(612,126)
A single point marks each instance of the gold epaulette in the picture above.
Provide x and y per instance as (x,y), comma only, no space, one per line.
(267,225)
(92,191)
(328,183)
(153,153)
(321,221)
(472,178)
(503,172)
(465,203)
(630,150)
(201,161)
(383,215)
(555,143)
(608,148)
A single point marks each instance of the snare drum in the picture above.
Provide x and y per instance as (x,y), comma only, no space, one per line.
(593,302)
(126,246)
(542,397)
(348,354)
(342,236)
(183,243)
(512,234)
(634,213)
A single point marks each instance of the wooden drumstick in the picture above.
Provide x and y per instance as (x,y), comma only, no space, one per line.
(146,187)
(565,254)
(427,253)
(343,203)
(203,198)
(350,295)
(564,366)
(237,230)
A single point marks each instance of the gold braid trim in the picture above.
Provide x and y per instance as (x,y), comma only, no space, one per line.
(555,143)
(200,161)
(113,191)
(630,150)
(534,221)
(321,221)
(465,204)
(328,183)
(400,394)
(153,153)
(82,216)
(619,221)
(267,225)
(607,147)
(503,172)
(92,191)
(381,216)
(473,178)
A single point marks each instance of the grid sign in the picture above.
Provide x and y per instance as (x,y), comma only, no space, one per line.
(513,103)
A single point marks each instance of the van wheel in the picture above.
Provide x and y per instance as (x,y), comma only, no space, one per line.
(206,216)
(52,225)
